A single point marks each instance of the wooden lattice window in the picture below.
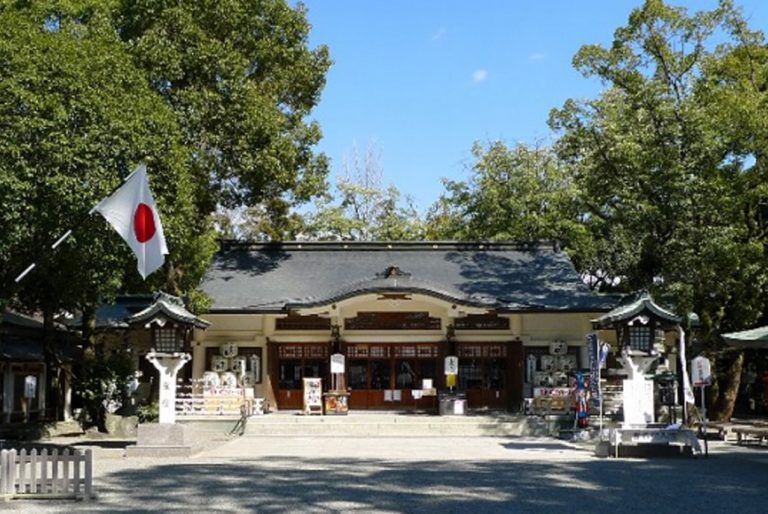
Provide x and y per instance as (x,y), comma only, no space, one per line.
(303,351)
(167,339)
(640,338)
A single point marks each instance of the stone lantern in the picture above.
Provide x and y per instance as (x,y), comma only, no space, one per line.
(640,327)
(172,326)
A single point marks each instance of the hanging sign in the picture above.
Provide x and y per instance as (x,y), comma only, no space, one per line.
(701,372)
(451,365)
(30,386)
(337,363)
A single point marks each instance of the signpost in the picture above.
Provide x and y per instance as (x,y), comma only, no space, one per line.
(701,376)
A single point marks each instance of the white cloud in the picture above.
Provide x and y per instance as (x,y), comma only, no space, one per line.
(439,34)
(536,56)
(479,75)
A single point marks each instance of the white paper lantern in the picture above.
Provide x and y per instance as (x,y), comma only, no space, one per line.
(211,379)
(247,380)
(219,364)
(237,365)
(228,350)
(228,379)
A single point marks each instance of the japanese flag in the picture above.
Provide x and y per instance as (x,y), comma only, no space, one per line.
(132,212)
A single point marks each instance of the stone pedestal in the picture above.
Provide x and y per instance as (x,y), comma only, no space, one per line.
(162,440)
(638,391)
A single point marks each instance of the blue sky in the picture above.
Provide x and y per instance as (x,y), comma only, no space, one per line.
(424,79)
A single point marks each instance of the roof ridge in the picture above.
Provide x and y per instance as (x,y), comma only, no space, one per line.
(234,245)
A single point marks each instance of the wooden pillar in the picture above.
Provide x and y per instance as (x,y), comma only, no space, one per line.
(515,374)
(7,392)
(273,370)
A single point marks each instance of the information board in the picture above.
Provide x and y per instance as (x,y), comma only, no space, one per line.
(701,372)
(313,396)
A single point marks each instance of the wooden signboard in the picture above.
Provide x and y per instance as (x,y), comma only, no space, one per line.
(313,396)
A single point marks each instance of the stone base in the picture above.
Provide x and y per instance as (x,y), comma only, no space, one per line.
(123,427)
(158,451)
(603,449)
(162,440)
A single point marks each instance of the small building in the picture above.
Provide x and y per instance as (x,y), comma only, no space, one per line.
(514,314)
(25,374)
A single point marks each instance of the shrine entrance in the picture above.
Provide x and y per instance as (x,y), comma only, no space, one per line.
(295,362)
(491,374)
(391,375)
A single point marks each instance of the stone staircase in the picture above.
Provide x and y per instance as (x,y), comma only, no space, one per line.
(368,424)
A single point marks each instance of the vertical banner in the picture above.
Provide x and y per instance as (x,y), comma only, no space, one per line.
(594,365)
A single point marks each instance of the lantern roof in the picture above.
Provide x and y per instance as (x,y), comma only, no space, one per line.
(166,307)
(643,305)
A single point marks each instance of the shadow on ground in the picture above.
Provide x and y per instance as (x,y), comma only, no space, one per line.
(722,483)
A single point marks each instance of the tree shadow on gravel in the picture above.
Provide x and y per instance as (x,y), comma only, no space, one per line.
(723,483)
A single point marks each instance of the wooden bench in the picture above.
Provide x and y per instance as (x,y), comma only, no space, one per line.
(744,433)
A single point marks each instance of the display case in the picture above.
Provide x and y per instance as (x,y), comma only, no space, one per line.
(549,378)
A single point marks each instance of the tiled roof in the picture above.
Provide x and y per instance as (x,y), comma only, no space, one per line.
(171,307)
(748,339)
(505,276)
(643,304)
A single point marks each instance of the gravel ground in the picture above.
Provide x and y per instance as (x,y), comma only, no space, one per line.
(448,474)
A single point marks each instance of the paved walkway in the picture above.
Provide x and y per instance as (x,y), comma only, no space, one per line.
(445,475)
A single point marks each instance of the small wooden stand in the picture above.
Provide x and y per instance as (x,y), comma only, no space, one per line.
(313,396)
(337,399)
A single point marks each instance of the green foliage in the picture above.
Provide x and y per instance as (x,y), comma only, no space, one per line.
(670,166)
(102,382)
(365,210)
(659,159)
(148,413)
(241,78)
(215,95)
(520,193)
(70,128)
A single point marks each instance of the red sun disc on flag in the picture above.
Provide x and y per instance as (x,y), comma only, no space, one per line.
(144,223)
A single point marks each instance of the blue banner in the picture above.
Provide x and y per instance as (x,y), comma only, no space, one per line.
(594,365)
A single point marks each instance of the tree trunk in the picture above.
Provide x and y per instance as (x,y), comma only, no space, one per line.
(89,331)
(52,367)
(728,372)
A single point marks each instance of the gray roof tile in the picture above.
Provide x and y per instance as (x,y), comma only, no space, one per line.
(270,277)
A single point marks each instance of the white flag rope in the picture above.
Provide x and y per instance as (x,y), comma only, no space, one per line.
(132,213)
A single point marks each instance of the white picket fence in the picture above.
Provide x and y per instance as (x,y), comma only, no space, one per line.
(58,474)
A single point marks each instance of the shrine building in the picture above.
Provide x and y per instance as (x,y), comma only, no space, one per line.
(514,314)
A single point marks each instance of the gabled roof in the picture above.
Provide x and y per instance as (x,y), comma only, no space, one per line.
(504,276)
(21,339)
(169,307)
(9,317)
(644,304)
(748,339)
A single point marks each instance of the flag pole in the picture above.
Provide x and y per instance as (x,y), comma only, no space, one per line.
(68,233)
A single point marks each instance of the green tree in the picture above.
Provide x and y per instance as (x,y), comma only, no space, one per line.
(520,193)
(365,211)
(661,161)
(242,80)
(76,115)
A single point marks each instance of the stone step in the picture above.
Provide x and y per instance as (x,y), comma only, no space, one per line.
(393,426)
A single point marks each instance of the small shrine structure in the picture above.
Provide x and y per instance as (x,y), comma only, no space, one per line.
(172,326)
(640,328)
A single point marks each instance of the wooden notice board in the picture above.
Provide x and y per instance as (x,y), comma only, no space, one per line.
(313,396)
